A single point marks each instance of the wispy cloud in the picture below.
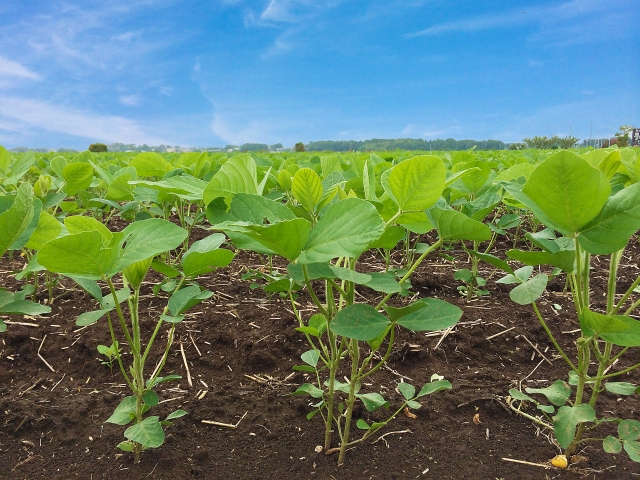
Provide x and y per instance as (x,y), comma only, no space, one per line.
(525,15)
(75,122)
(10,68)
(129,100)
(294,11)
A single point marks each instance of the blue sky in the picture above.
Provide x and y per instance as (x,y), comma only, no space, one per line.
(209,73)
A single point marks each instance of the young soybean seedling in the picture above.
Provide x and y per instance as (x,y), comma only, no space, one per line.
(110,352)
(91,252)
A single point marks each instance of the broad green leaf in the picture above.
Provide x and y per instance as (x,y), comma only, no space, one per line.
(172,319)
(79,254)
(383,282)
(359,321)
(345,230)
(24,307)
(558,393)
(108,302)
(89,318)
(417,183)
(124,412)
(453,225)
(186,298)
(529,291)
(20,167)
(568,418)
(150,164)
(372,401)
(204,256)
(161,267)
(612,228)
(148,432)
(632,448)
(255,209)
(146,239)
(237,175)
(610,164)
(362,425)
(519,276)
(416,222)
(568,190)
(407,390)
(390,238)
(493,260)
(16,219)
(620,388)
(77,176)
(315,271)
(307,188)
(80,223)
(125,446)
(296,233)
(564,259)
(435,315)
(617,329)
(120,189)
(150,398)
(629,430)
(350,275)
(48,229)
(5,159)
(433,387)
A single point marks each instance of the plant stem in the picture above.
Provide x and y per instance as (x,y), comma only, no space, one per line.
(354,350)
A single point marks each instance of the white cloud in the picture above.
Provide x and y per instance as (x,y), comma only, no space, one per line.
(129,100)
(10,68)
(532,14)
(249,132)
(76,122)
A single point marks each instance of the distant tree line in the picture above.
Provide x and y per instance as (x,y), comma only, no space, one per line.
(377,144)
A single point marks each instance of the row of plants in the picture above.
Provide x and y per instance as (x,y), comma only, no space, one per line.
(321,214)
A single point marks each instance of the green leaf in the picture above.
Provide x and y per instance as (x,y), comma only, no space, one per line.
(433,314)
(529,291)
(80,223)
(5,159)
(150,164)
(617,329)
(136,272)
(172,319)
(383,282)
(633,450)
(89,318)
(492,260)
(359,321)
(148,432)
(612,445)
(568,418)
(350,275)
(345,230)
(568,190)
(612,228)
(15,220)
(558,393)
(518,395)
(124,412)
(629,430)
(80,254)
(564,259)
(294,233)
(433,387)
(620,388)
(161,267)
(372,401)
(315,271)
(204,256)
(390,238)
(417,183)
(146,239)
(453,225)
(24,307)
(307,188)
(184,299)
(237,175)
(309,389)
(48,228)
(150,398)
(310,357)
(77,176)
(362,425)
(125,446)
(176,414)
(407,390)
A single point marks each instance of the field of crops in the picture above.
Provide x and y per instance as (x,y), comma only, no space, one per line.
(300,315)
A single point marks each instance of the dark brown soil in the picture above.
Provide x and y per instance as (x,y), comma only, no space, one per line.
(240,346)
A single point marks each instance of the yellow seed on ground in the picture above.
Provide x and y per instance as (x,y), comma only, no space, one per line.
(560,461)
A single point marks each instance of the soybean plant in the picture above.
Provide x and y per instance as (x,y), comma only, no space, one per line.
(91,252)
(323,246)
(595,214)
